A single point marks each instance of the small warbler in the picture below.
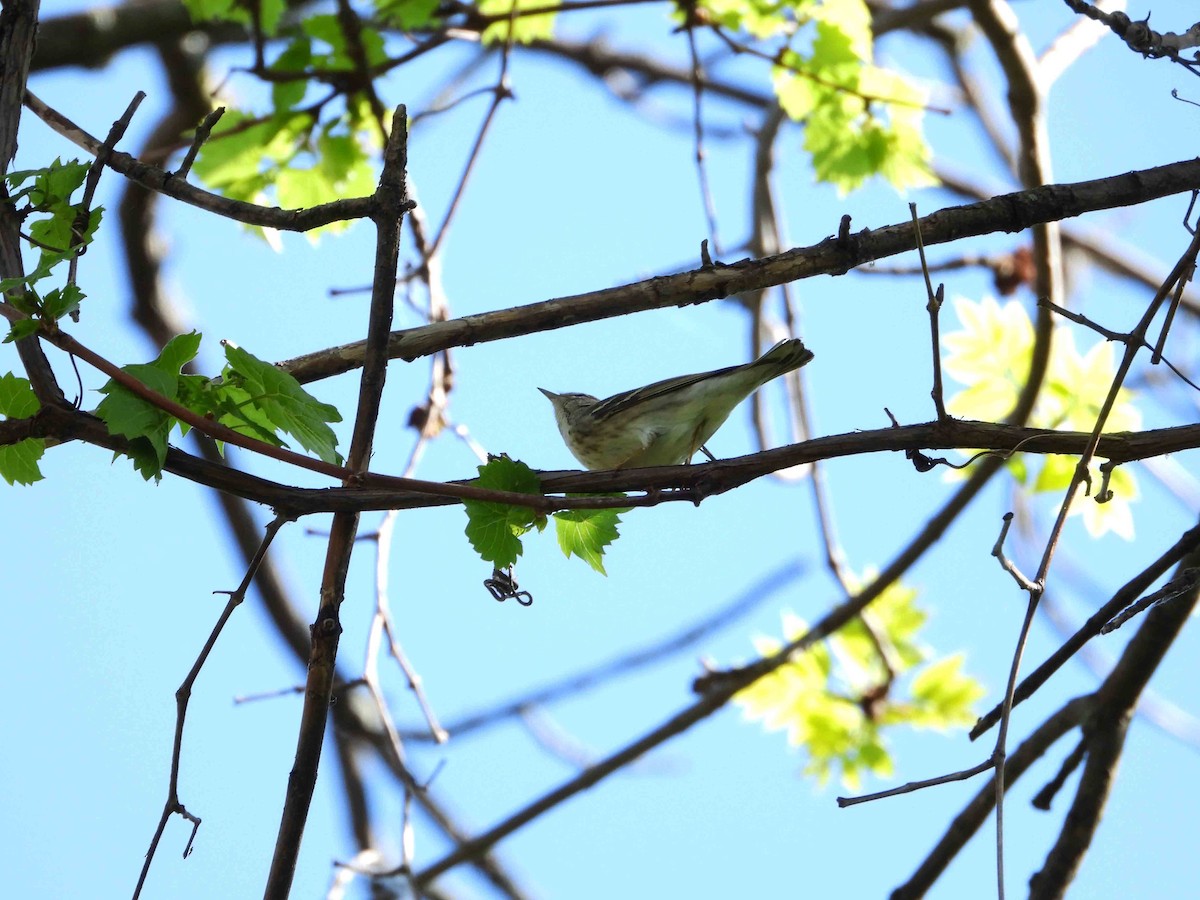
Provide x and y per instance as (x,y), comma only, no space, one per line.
(665,423)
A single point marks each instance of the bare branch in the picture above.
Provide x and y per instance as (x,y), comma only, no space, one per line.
(1008,212)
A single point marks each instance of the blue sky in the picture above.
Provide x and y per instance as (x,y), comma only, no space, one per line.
(112,580)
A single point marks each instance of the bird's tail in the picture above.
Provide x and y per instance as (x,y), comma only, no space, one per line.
(783,357)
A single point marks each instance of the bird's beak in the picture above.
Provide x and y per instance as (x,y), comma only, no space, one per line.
(550,395)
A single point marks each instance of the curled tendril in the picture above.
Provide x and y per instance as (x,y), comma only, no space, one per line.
(502,585)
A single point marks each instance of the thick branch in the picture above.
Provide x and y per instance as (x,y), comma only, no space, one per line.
(704,479)
(1008,212)
(18,27)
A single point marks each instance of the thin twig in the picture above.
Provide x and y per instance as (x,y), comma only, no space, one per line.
(706,195)
(1043,798)
(203,130)
(1184,583)
(1128,593)
(965,774)
(933,306)
(500,92)
(183,695)
(115,134)
(1007,564)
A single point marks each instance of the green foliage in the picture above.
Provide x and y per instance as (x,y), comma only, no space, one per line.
(836,699)
(860,120)
(256,395)
(58,230)
(327,30)
(252,397)
(495,529)
(586,532)
(991,356)
(145,425)
(524,28)
(306,164)
(408,14)
(270,12)
(19,461)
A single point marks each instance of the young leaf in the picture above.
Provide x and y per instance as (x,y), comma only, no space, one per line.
(147,426)
(19,461)
(408,14)
(991,354)
(22,328)
(943,695)
(279,398)
(269,12)
(61,301)
(586,532)
(295,58)
(836,699)
(525,28)
(495,529)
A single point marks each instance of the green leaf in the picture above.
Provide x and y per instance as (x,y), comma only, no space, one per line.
(270,12)
(22,328)
(342,170)
(295,58)
(409,14)
(760,18)
(893,621)
(281,401)
(19,461)
(943,696)
(586,532)
(235,408)
(178,352)
(328,30)
(1057,472)
(860,120)
(62,301)
(495,529)
(244,156)
(58,181)
(525,28)
(253,398)
(991,355)
(836,700)
(17,399)
(145,425)
(60,232)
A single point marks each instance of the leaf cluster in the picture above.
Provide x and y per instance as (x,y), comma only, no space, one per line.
(60,230)
(859,119)
(252,397)
(495,529)
(837,699)
(991,355)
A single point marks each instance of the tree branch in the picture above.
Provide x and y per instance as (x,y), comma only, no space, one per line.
(1008,212)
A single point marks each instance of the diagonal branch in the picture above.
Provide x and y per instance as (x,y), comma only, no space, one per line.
(1008,212)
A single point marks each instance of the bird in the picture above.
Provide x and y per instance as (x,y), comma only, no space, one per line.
(665,423)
